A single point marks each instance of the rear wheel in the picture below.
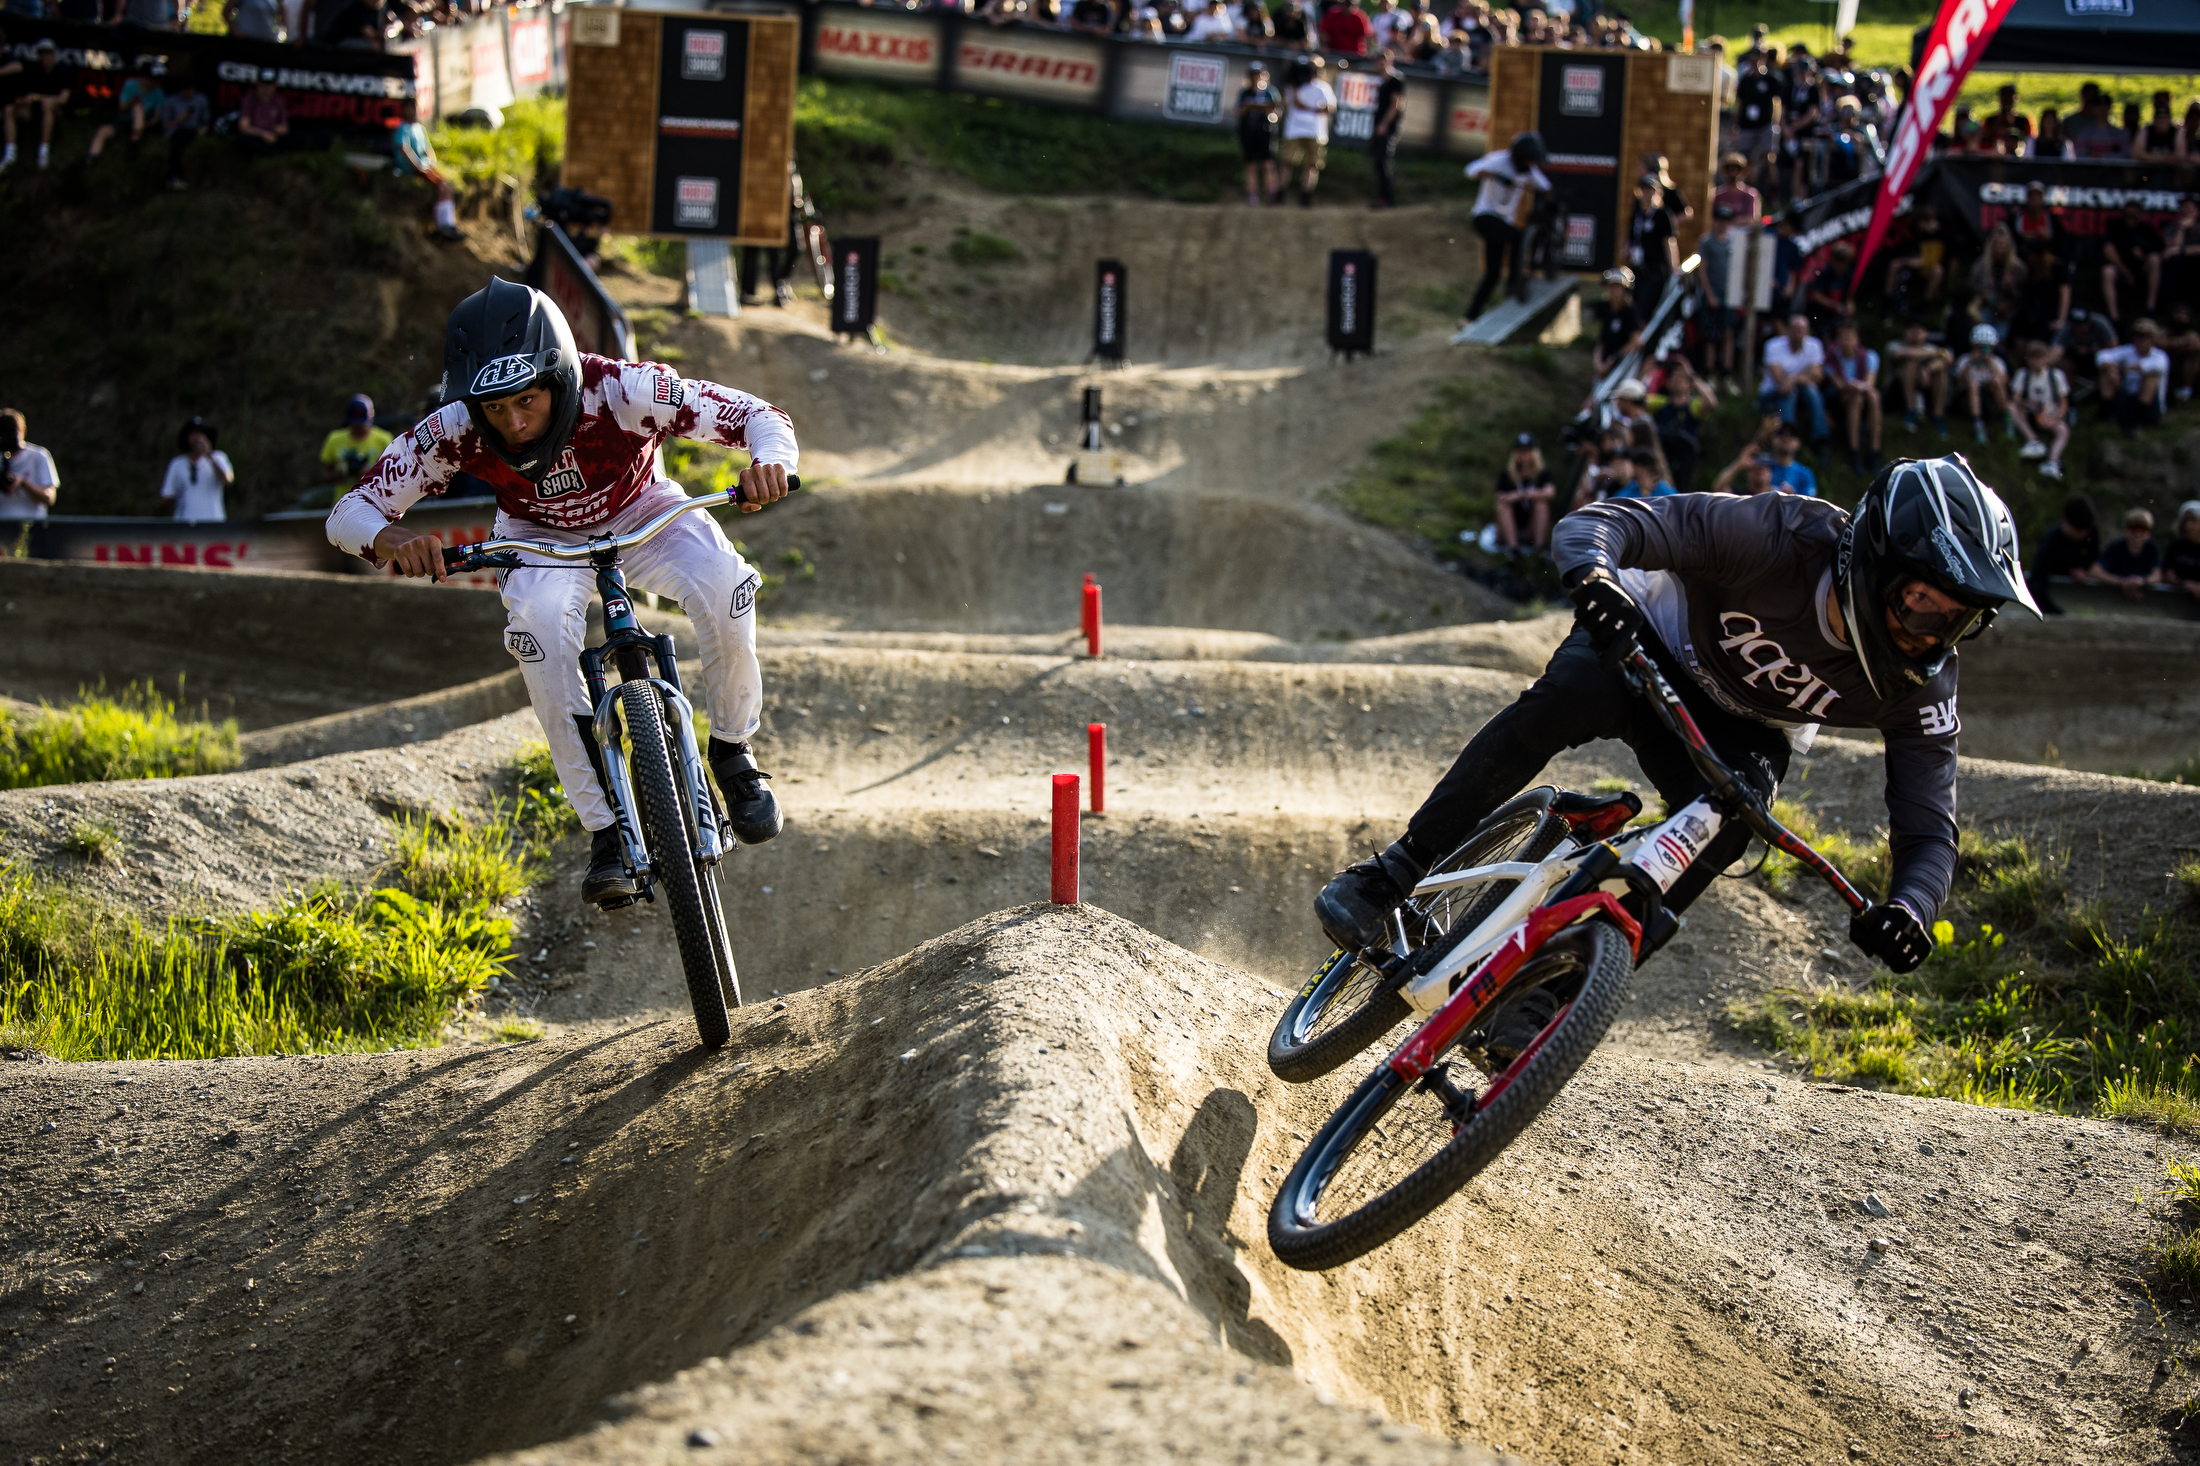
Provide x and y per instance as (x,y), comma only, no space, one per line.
(1347,1006)
(672,864)
(1399,1148)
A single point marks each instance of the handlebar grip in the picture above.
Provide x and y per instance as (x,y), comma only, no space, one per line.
(794,482)
(452,554)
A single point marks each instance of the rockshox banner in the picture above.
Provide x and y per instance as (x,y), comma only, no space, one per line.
(855,286)
(1351,301)
(1107,311)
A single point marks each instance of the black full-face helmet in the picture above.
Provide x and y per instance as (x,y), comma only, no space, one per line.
(1527,151)
(504,339)
(1931,520)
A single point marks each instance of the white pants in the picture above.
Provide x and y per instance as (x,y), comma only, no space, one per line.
(547,605)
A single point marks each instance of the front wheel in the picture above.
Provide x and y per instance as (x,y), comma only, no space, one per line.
(1399,1148)
(672,858)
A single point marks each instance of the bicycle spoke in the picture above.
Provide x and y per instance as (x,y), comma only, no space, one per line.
(1418,1125)
(1353,992)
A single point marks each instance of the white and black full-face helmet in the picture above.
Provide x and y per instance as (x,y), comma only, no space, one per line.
(504,339)
(1931,520)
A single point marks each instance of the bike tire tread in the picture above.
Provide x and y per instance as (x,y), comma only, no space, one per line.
(672,858)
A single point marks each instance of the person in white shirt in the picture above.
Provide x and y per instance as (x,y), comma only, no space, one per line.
(1309,104)
(1387,16)
(1213,24)
(28,481)
(2141,376)
(198,475)
(1795,371)
(1498,211)
(2042,396)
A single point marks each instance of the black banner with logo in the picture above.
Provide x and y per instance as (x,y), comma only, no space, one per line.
(1351,301)
(1107,311)
(855,286)
(702,94)
(1581,111)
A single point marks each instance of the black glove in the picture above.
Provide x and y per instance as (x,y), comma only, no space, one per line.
(1891,932)
(1609,613)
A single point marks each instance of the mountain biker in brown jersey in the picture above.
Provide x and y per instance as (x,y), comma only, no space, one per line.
(1772,615)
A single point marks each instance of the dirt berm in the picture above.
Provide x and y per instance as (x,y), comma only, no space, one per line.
(1002,1199)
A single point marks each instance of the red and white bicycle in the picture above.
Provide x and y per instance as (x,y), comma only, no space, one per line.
(1546,904)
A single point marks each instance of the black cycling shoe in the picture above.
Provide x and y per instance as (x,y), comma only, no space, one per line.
(1354,908)
(607,881)
(751,811)
(1518,1025)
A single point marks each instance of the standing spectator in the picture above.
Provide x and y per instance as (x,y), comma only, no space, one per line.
(262,119)
(2071,548)
(2141,378)
(1854,368)
(197,476)
(1675,203)
(1787,264)
(1346,28)
(2157,141)
(1997,281)
(1257,107)
(1790,475)
(1734,193)
(259,20)
(412,153)
(2049,142)
(352,24)
(2042,395)
(1794,371)
(182,118)
(1499,208)
(1719,320)
(1919,267)
(1677,410)
(1309,104)
(1290,26)
(2131,255)
(1390,116)
(1802,121)
(1620,332)
(2013,125)
(1920,369)
(2134,562)
(155,15)
(1984,382)
(1093,17)
(1652,251)
(1826,294)
(2181,556)
(28,482)
(352,449)
(1756,116)
(1212,24)
(41,92)
(140,99)
(1525,487)
(2041,243)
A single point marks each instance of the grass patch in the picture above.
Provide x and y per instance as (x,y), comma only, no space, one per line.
(516,1030)
(978,248)
(96,843)
(2030,1000)
(137,733)
(2177,1256)
(2187,772)
(528,149)
(543,813)
(324,971)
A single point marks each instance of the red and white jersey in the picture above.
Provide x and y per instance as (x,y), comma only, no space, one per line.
(628,410)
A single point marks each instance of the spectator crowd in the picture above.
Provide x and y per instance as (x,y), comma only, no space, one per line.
(360,24)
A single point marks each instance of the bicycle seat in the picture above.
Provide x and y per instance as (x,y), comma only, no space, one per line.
(1596,816)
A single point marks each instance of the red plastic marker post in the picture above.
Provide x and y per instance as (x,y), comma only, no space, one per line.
(1096,746)
(1065,839)
(1092,619)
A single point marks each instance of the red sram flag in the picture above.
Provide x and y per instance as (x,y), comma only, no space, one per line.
(1960,33)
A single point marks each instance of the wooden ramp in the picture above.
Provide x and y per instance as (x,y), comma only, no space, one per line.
(1511,321)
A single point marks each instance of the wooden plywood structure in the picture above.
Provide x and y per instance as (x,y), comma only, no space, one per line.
(630,68)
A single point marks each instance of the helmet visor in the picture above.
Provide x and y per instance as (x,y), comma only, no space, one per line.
(1931,615)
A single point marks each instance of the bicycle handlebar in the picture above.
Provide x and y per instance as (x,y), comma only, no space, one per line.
(1647,680)
(503,554)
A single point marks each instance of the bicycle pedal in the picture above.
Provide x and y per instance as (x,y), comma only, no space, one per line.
(615,903)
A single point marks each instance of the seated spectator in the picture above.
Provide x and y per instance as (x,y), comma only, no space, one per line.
(1458,56)
(182,118)
(2181,556)
(196,477)
(1620,332)
(1918,268)
(2139,375)
(28,482)
(352,449)
(2044,303)
(411,153)
(2071,548)
(262,119)
(1678,409)
(1645,484)
(1997,281)
(353,24)
(1290,25)
(2077,344)
(2131,259)
(1254,26)
(1983,381)
(2181,254)
(1854,368)
(2134,562)
(1346,28)
(1826,296)
(1794,371)
(2041,393)
(1525,489)
(141,98)
(1093,17)
(1748,475)
(1789,474)
(40,91)
(1213,23)
(2182,342)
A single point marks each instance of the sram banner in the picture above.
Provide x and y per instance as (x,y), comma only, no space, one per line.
(1959,36)
(1030,64)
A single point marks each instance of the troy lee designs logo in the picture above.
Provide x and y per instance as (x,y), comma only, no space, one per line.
(1768,660)
(505,372)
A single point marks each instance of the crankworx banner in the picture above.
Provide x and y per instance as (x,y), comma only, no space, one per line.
(1959,35)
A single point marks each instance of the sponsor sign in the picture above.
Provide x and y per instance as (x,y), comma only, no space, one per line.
(1690,74)
(1577,244)
(702,97)
(1581,91)
(594,26)
(528,42)
(1195,89)
(703,56)
(866,42)
(1351,301)
(1028,64)
(726,128)
(695,203)
(492,84)
(855,286)
(1469,127)
(1107,311)
(2098,9)
(1356,92)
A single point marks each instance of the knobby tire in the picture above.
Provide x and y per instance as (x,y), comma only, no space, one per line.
(1302,1239)
(672,859)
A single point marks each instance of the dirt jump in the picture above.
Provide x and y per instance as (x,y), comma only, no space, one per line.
(981,1178)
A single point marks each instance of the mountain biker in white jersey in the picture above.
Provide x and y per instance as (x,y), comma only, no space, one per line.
(571,444)
(1771,615)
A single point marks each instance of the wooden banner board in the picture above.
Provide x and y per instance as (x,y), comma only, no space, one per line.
(684,120)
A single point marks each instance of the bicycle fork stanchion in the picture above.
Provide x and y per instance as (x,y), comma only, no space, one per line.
(1096,751)
(1065,840)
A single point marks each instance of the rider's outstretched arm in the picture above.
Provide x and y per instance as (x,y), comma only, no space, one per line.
(649,398)
(421,463)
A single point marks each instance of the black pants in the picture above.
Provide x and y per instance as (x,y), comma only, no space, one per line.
(1578,700)
(752,256)
(178,141)
(1500,256)
(2133,412)
(1385,152)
